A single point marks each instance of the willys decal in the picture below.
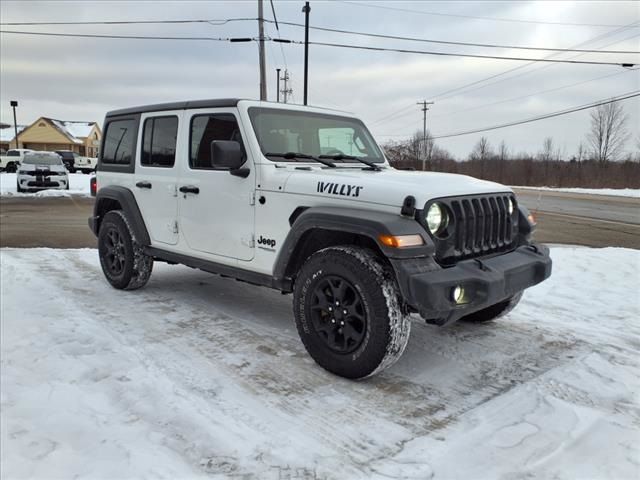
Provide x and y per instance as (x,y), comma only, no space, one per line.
(339,189)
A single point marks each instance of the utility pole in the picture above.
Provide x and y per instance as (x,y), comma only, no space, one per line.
(14,104)
(263,74)
(278,85)
(306,9)
(424,109)
(286,91)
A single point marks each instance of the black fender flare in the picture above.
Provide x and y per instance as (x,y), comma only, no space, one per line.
(368,223)
(127,201)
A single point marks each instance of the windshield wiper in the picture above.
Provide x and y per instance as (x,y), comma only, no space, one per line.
(294,155)
(342,156)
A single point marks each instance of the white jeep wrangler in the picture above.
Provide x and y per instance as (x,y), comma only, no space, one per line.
(302,200)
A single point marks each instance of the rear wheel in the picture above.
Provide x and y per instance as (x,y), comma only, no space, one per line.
(349,312)
(494,311)
(123,262)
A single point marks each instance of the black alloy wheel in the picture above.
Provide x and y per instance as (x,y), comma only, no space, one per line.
(338,314)
(114,254)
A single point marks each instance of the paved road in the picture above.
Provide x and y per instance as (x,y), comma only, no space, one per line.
(591,220)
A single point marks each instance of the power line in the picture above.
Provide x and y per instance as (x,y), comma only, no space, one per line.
(493,19)
(445,42)
(393,114)
(513,99)
(131,37)
(326,29)
(441,95)
(213,21)
(619,98)
(450,54)
(323,44)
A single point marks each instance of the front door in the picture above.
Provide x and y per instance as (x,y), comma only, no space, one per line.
(156,175)
(216,208)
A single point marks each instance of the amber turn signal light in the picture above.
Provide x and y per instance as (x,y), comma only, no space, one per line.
(401,241)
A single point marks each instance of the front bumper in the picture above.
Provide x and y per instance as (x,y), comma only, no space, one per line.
(428,288)
(29,182)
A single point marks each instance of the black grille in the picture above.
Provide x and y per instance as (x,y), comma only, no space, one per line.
(478,225)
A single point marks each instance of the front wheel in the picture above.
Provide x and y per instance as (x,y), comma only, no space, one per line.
(349,312)
(122,259)
(494,311)
(11,168)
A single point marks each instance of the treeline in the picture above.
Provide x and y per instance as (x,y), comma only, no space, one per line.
(601,163)
(527,170)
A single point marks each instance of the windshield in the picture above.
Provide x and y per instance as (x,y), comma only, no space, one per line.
(41,160)
(283,131)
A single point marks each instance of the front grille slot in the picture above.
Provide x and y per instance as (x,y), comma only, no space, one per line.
(479,225)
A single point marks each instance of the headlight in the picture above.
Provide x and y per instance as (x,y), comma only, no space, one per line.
(437,219)
(510,207)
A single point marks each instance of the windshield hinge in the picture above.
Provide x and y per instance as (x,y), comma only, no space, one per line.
(175,226)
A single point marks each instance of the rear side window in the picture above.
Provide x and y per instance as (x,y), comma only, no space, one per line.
(159,141)
(204,130)
(119,142)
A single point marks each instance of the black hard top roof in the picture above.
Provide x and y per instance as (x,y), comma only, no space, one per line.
(190,104)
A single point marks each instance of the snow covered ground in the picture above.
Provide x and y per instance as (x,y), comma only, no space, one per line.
(199,376)
(616,192)
(78,185)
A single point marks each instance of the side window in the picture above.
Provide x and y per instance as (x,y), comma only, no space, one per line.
(119,142)
(204,130)
(159,142)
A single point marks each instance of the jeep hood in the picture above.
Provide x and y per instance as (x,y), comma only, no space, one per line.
(388,187)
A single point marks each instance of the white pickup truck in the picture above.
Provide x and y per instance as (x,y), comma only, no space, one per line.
(12,159)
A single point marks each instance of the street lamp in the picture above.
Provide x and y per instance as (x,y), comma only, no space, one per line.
(14,104)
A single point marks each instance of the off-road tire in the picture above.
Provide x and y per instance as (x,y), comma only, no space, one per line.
(387,324)
(135,266)
(19,189)
(494,311)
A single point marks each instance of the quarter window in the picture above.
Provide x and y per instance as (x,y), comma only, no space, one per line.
(204,130)
(119,142)
(159,141)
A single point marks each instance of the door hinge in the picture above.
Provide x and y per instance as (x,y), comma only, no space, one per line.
(252,198)
(249,241)
(175,226)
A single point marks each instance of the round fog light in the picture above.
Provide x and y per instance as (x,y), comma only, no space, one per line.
(457,294)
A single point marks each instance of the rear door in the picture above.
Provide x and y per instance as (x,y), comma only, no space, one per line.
(156,175)
(216,208)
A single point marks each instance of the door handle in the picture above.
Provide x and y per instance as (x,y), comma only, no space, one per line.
(189,189)
(143,184)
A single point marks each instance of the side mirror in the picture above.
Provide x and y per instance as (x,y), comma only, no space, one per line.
(227,155)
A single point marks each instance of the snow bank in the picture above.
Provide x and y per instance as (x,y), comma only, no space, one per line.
(616,192)
(199,376)
(78,185)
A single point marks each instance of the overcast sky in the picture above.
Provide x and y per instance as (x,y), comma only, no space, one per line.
(81,79)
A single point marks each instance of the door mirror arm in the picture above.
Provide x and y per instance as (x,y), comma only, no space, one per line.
(240,172)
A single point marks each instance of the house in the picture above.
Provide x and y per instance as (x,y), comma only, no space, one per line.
(7,135)
(49,134)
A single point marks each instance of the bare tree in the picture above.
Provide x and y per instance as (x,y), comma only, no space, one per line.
(547,150)
(608,131)
(581,154)
(482,150)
